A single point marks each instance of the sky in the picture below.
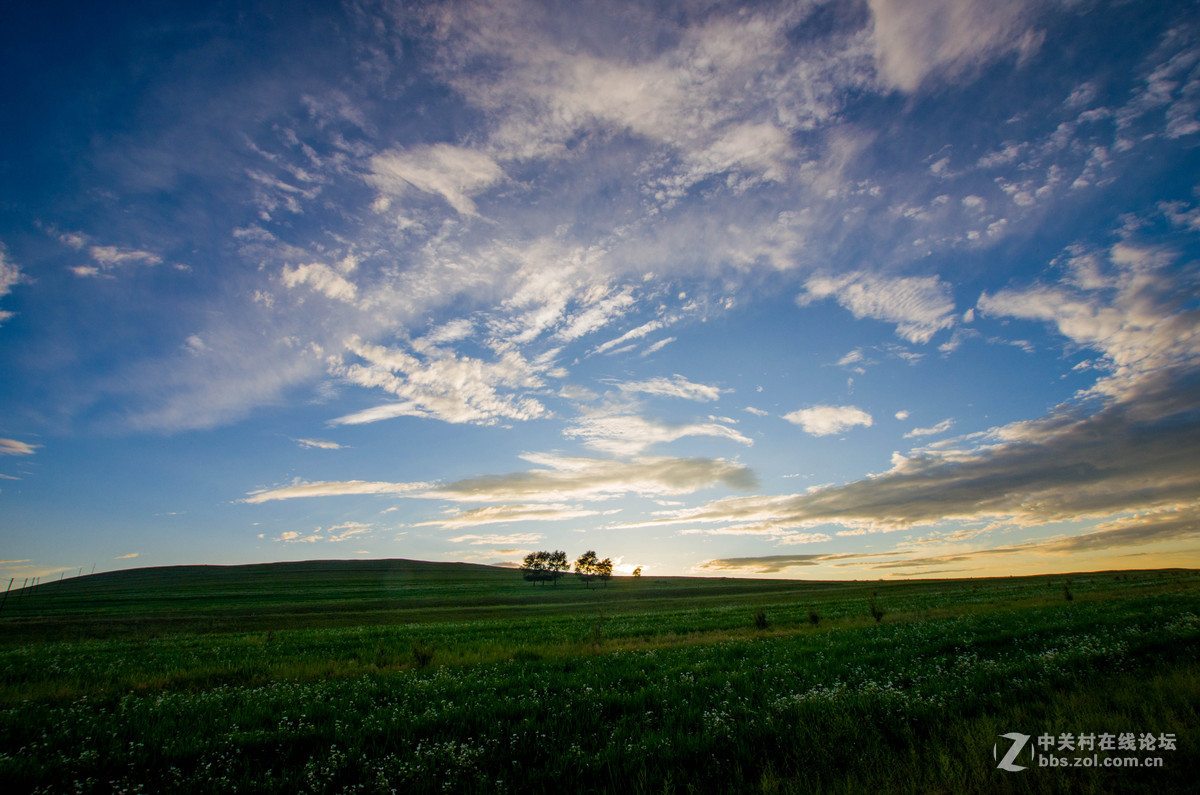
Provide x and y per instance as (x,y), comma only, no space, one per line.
(850,289)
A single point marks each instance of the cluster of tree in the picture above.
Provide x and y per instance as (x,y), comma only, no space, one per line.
(546,566)
(589,567)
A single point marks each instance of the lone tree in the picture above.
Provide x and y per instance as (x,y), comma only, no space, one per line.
(542,566)
(588,567)
(637,572)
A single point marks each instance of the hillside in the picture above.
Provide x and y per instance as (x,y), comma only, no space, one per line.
(345,593)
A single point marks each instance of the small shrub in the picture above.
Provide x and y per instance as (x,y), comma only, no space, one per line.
(875,609)
(814,617)
(760,620)
(422,655)
(1067,591)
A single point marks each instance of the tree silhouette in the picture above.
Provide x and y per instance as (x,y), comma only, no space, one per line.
(545,566)
(585,567)
(588,567)
(604,570)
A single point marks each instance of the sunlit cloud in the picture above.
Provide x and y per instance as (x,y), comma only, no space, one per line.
(776,564)
(333,489)
(559,479)
(562,478)
(504,514)
(515,538)
(15,447)
(828,420)
(932,430)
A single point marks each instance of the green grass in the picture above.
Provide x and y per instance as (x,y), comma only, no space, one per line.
(411,677)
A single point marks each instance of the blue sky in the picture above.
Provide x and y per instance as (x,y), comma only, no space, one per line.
(837,290)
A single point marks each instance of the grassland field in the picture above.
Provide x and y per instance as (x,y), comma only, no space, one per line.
(403,676)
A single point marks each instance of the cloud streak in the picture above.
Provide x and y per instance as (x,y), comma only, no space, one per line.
(557,480)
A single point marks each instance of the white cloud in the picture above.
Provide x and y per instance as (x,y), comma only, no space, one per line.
(629,434)
(658,346)
(562,478)
(558,480)
(914,39)
(323,279)
(919,306)
(110,258)
(677,386)
(293,537)
(515,538)
(827,420)
(504,514)
(633,334)
(333,489)
(455,173)
(443,385)
(130,556)
(722,100)
(941,427)
(348,530)
(319,444)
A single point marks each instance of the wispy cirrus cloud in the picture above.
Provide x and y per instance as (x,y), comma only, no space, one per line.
(106,260)
(562,478)
(444,386)
(917,39)
(776,564)
(319,444)
(675,386)
(932,430)
(558,479)
(16,447)
(505,514)
(630,434)
(452,172)
(513,538)
(332,489)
